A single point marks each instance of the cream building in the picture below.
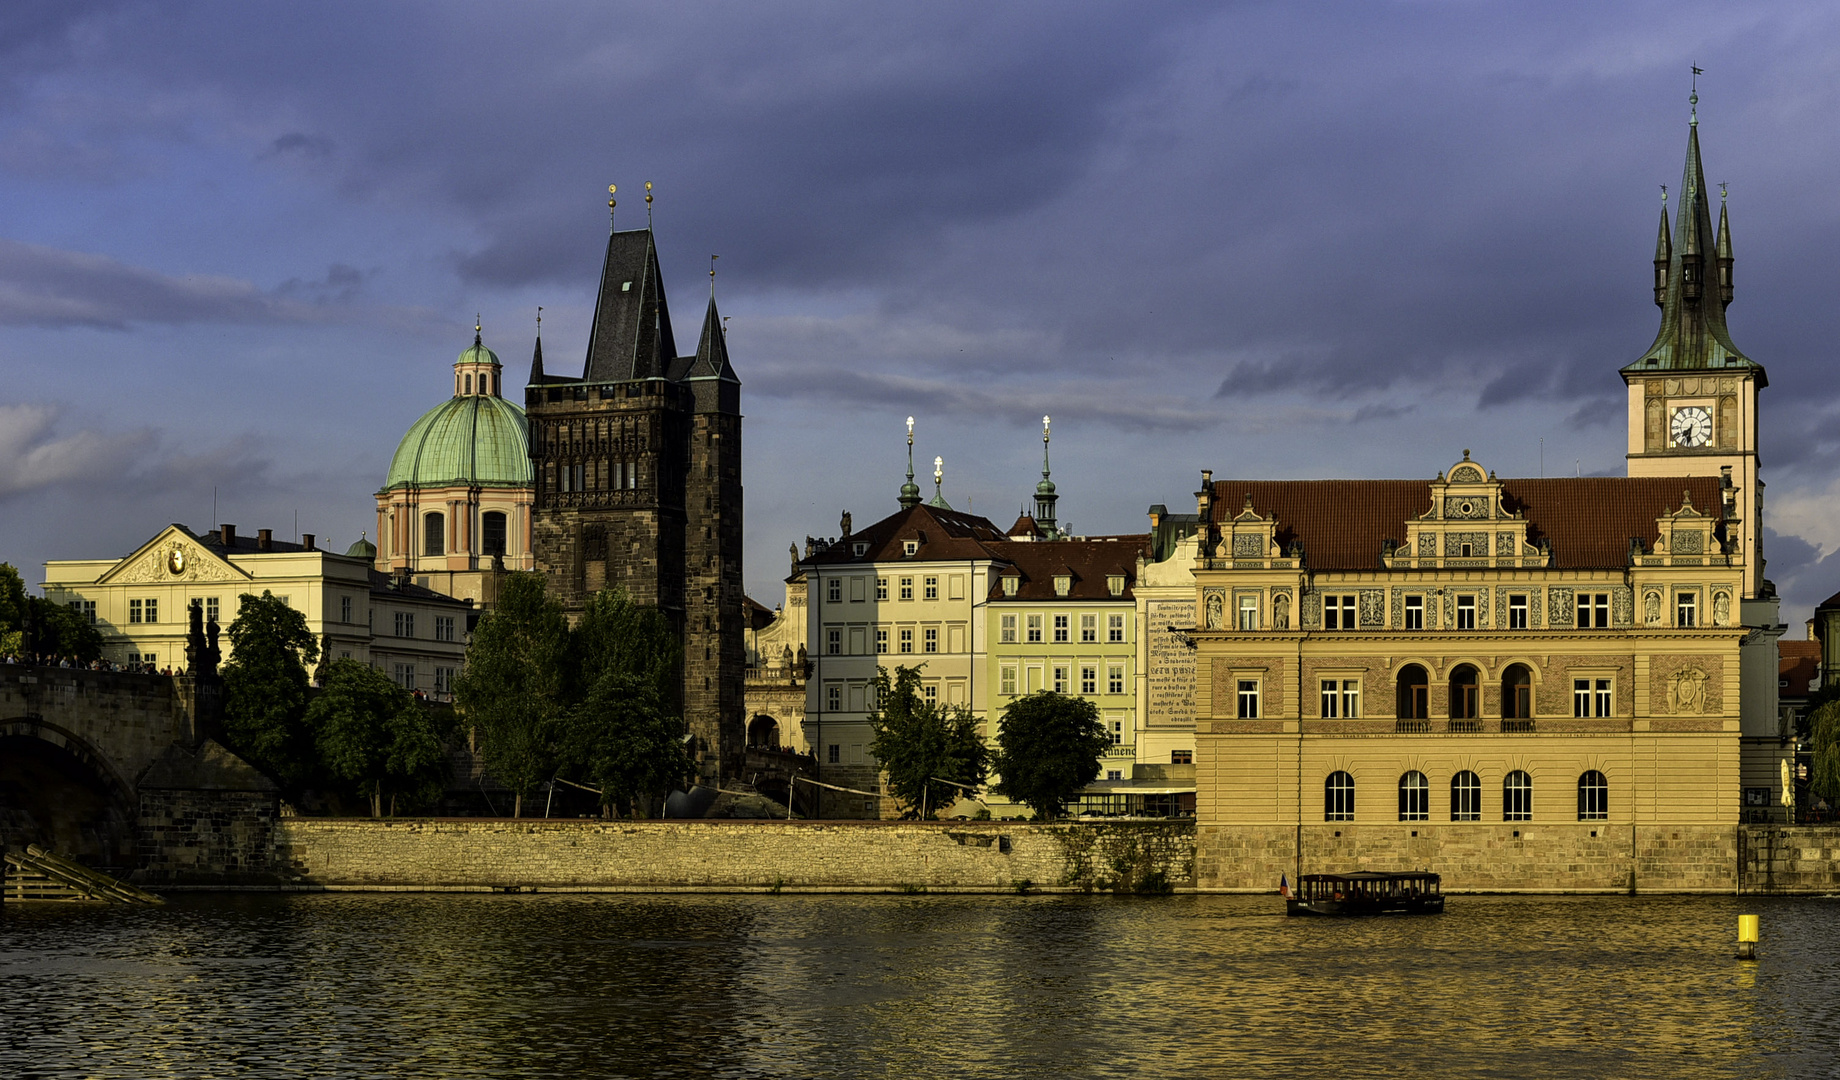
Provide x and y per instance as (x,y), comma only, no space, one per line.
(140,602)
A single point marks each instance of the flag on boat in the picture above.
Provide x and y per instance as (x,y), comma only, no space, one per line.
(1284,886)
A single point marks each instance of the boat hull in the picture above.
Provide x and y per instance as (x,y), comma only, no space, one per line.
(1430,905)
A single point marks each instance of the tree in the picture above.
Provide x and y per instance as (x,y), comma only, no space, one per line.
(1824,776)
(1048,748)
(12,611)
(512,688)
(371,732)
(624,735)
(922,744)
(32,624)
(265,687)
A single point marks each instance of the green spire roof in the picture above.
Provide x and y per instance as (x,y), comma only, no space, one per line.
(480,440)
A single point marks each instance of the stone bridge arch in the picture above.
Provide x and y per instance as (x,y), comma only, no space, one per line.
(60,791)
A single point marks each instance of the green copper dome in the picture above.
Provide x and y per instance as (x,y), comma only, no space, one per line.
(477,354)
(475,440)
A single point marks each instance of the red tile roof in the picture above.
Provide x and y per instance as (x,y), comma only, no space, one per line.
(1588,520)
(944,535)
(1088,562)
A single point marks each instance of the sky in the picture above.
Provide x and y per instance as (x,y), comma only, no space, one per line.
(241,244)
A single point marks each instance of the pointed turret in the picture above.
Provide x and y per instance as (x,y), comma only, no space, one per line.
(1045,497)
(1693,294)
(1664,254)
(631,334)
(1723,250)
(939,479)
(536,359)
(710,375)
(910,491)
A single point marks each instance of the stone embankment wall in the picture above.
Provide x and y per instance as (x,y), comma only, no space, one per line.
(1582,857)
(535,854)
(1776,859)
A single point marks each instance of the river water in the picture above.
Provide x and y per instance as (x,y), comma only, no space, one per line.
(913,987)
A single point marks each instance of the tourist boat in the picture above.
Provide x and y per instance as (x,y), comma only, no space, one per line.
(1365,893)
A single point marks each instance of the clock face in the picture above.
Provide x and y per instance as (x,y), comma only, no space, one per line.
(1691,427)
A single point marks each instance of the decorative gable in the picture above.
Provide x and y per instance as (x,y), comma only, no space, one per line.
(174,555)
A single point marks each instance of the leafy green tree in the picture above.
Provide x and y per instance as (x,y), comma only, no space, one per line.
(372,733)
(624,736)
(512,689)
(921,743)
(1048,748)
(1824,775)
(265,687)
(55,630)
(12,610)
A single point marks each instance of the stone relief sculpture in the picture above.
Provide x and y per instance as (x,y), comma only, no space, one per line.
(1721,609)
(1651,608)
(1215,614)
(1281,611)
(1687,691)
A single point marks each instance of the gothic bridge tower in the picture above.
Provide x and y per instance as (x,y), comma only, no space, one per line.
(638,483)
(1693,394)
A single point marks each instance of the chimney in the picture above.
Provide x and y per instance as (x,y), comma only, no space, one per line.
(265,539)
(228,533)
(306,541)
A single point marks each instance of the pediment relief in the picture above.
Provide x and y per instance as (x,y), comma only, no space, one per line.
(174,557)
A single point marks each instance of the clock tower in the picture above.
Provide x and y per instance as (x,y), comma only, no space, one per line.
(1693,394)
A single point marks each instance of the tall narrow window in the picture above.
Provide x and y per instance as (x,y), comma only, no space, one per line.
(434,534)
(492,532)
(930,639)
(1466,613)
(1007,682)
(1331,698)
(1517,611)
(469,383)
(1060,679)
(1686,609)
(1516,692)
(1414,797)
(1351,698)
(1114,679)
(1517,797)
(1414,693)
(1415,613)
(1248,613)
(833,591)
(1463,693)
(881,588)
(1593,796)
(211,609)
(907,588)
(1602,698)
(907,640)
(1034,630)
(1248,699)
(881,640)
(1089,629)
(1008,632)
(1061,629)
(1466,797)
(1114,629)
(1089,679)
(931,586)
(1338,797)
(833,641)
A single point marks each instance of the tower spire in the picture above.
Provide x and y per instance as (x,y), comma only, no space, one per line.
(910,491)
(1044,492)
(939,479)
(536,356)
(1722,250)
(1664,254)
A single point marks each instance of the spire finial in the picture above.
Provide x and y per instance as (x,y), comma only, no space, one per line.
(1722,192)
(1664,196)
(712,276)
(1693,99)
(648,204)
(1044,448)
(477,323)
(539,322)
(910,491)
(939,474)
(611,203)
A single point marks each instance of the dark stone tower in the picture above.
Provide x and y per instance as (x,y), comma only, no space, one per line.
(638,484)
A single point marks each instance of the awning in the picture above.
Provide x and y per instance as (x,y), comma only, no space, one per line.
(1125,787)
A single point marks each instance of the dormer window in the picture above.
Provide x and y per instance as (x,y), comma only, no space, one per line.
(908,547)
(1011,583)
(1114,584)
(1063,584)
(860,548)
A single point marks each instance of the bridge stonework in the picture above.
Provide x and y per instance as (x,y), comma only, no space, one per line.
(120,771)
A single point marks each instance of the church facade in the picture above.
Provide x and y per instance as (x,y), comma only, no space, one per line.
(1504,680)
(636,482)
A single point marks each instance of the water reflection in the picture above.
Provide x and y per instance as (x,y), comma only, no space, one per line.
(896,986)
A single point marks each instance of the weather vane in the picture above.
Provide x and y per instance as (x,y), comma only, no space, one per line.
(539,320)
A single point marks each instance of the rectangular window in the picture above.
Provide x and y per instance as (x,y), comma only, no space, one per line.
(881,640)
(1007,684)
(1517,611)
(1114,629)
(405,624)
(1466,613)
(1118,740)
(1338,613)
(930,693)
(1351,698)
(1060,680)
(85,609)
(344,609)
(443,680)
(833,590)
(210,608)
(1114,679)
(1248,613)
(1181,757)
(405,676)
(153,611)
(1415,613)
(1248,699)
(444,628)
(1008,634)
(907,588)
(833,699)
(1605,706)
(932,588)
(835,757)
(881,588)
(1089,679)
(1593,611)
(1686,611)
(930,639)
(833,641)
(1061,629)
(907,640)
(1034,629)
(1331,698)
(1089,629)
(134,611)
(1581,697)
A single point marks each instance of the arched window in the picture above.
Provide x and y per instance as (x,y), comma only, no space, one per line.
(763,730)
(1517,797)
(1414,797)
(1593,796)
(1463,693)
(467,381)
(1466,797)
(1516,692)
(434,534)
(1414,693)
(492,530)
(1338,797)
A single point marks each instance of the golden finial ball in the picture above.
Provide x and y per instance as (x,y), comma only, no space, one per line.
(613,189)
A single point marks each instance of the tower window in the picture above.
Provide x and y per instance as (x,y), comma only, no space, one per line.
(467,382)
(492,530)
(434,534)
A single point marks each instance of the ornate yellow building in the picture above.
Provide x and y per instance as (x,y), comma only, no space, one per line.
(1524,683)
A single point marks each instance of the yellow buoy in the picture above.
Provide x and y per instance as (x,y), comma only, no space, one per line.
(1747,937)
